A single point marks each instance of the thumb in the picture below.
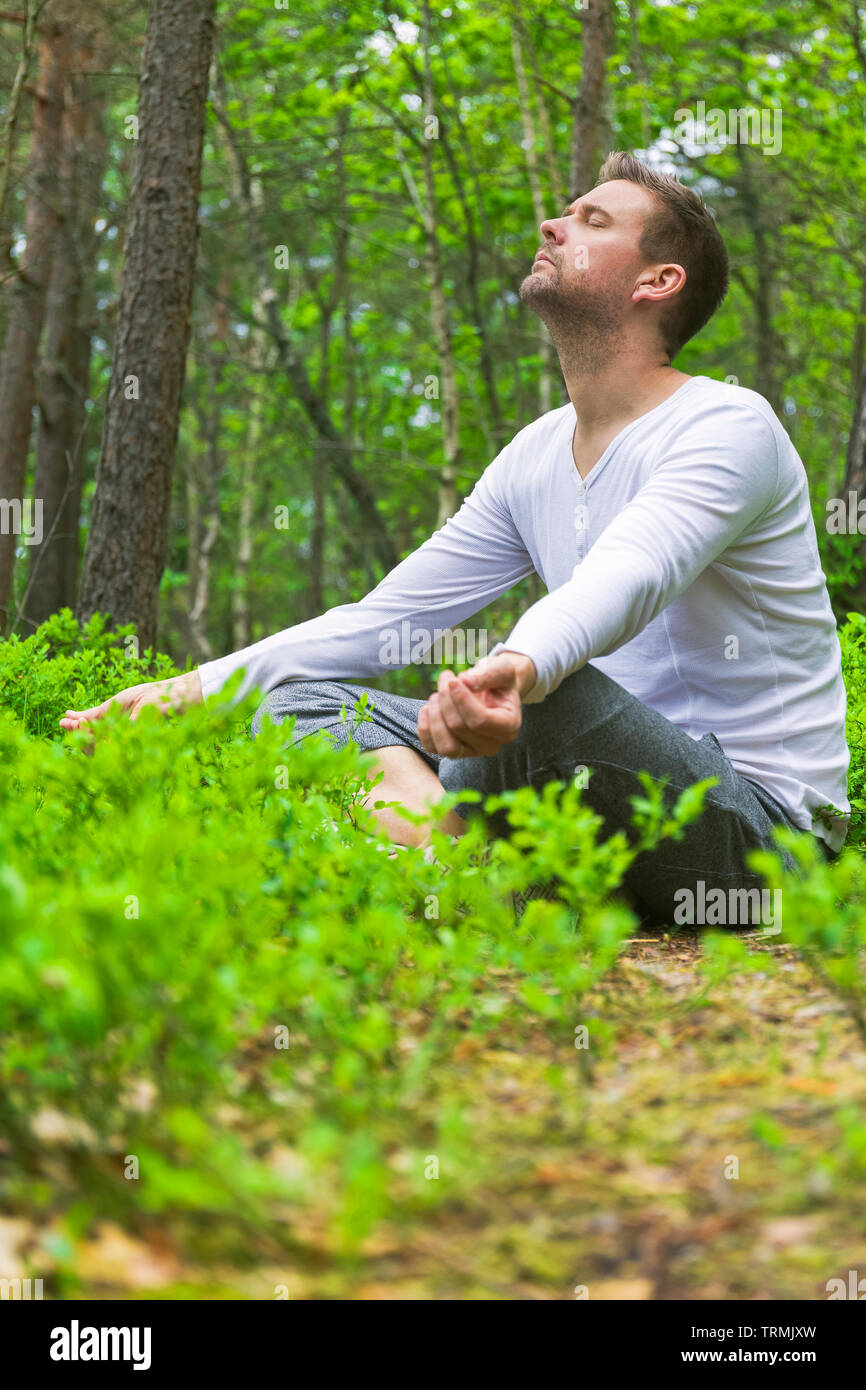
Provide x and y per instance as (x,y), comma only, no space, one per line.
(490,673)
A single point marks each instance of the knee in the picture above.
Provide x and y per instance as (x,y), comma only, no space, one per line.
(304,701)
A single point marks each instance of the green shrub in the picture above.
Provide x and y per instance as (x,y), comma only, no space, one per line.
(209,965)
(179,904)
(67,666)
(852,637)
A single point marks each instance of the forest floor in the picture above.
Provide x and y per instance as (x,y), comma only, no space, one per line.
(710,1160)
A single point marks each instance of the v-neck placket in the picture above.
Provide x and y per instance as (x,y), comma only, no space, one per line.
(582,485)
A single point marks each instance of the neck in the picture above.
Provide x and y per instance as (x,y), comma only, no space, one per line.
(611,384)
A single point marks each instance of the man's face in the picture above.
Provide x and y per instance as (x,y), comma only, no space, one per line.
(590,264)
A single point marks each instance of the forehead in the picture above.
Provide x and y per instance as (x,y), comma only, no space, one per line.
(626,202)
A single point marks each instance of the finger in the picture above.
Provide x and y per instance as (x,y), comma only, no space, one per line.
(447,709)
(424,729)
(468,709)
(444,741)
(485,730)
(468,721)
(75,721)
(89,714)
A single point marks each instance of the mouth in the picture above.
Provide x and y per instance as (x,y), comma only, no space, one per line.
(541,257)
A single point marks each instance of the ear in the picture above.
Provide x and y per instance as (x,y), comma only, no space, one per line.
(659,283)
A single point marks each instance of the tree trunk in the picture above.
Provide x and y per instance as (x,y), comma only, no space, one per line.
(356,485)
(545,346)
(754,202)
(24,327)
(13,110)
(494,426)
(203,513)
(427,213)
(553,172)
(588,109)
(127,543)
(241,615)
(65,368)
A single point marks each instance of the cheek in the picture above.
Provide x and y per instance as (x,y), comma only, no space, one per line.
(581,259)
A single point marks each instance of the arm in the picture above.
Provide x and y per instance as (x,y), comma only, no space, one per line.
(711,486)
(476,556)
(714,482)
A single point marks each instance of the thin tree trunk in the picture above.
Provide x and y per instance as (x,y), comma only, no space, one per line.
(558,194)
(65,368)
(495,429)
(855,459)
(855,454)
(241,613)
(588,107)
(638,63)
(291,362)
(13,110)
(203,514)
(315,590)
(128,537)
(428,215)
(545,346)
(24,327)
(763,292)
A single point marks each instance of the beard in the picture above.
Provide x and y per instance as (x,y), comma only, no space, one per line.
(583,320)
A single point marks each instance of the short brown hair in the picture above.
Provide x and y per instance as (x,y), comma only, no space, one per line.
(682,229)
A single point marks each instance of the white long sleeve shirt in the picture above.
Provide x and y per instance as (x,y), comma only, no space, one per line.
(685,566)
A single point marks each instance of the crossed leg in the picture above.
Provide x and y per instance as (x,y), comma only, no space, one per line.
(588,722)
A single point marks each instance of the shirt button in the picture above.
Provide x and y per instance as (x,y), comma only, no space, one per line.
(579,521)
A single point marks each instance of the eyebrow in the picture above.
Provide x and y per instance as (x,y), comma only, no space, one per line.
(588,209)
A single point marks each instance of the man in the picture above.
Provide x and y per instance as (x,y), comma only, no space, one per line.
(687,629)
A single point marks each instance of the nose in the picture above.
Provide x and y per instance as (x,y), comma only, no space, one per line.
(552,230)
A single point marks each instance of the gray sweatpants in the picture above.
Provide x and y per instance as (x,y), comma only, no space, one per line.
(589,722)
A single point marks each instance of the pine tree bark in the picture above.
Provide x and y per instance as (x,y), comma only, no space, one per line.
(127,543)
(24,327)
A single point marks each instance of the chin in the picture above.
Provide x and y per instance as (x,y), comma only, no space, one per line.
(534,290)
(531,284)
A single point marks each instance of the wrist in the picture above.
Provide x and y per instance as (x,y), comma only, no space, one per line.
(527,675)
(188,688)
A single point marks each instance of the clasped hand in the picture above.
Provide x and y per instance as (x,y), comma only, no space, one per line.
(476,713)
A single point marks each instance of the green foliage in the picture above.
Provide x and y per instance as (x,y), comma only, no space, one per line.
(180,901)
(823,915)
(88,664)
(210,963)
(852,637)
